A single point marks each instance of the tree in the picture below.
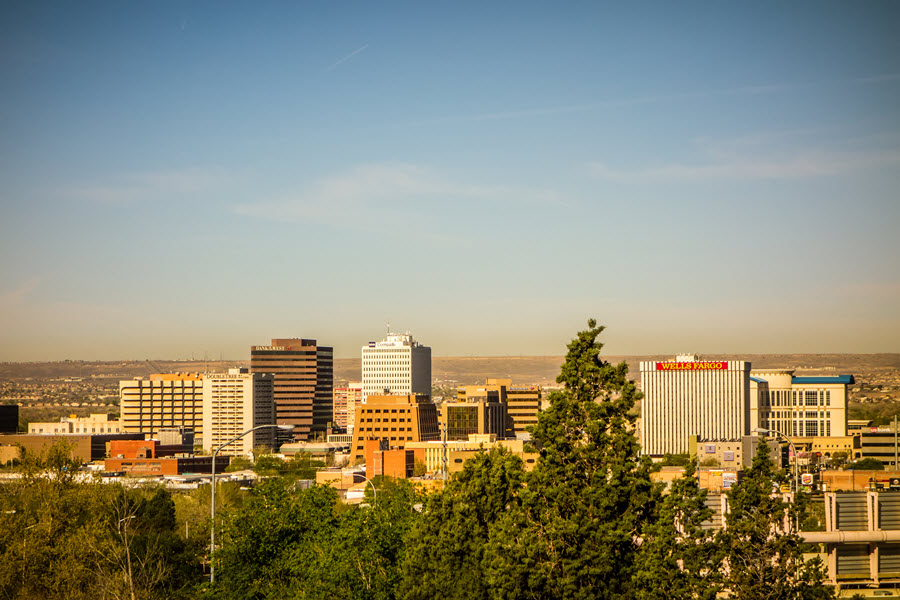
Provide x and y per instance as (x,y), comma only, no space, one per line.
(444,551)
(368,547)
(679,558)
(676,460)
(867,464)
(764,555)
(588,498)
(276,541)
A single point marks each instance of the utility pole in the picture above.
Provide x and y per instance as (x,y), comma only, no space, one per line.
(896,466)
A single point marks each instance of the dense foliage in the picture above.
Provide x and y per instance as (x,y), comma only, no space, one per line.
(586,522)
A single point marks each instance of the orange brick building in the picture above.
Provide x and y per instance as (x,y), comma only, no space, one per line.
(148,457)
(393,420)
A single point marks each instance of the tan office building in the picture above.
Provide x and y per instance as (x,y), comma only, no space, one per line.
(234,402)
(395,420)
(523,402)
(304,383)
(162,401)
(799,406)
(462,419)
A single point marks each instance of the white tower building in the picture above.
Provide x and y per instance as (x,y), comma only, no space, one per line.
(234,402)
(396,365)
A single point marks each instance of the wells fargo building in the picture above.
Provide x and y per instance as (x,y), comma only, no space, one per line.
(687,397)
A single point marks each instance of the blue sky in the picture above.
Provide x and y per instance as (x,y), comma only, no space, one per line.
(181,178)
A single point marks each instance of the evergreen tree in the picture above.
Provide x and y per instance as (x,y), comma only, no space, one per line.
(764,556)
(445,549)
(589,496)
(679,558)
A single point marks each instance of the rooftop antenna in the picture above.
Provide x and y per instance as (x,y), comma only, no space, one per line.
(389,327)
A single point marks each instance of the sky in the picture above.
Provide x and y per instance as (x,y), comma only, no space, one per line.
(187,179)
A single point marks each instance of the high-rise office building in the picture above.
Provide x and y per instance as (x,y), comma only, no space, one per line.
(162,400)
(304,383)
(234,402)
(692,397)
(396,365)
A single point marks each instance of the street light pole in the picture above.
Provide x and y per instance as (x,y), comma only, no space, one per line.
(374,491)
(793,450)
(212,508)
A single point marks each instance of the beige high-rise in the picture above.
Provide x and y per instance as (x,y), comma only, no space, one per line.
(233,403)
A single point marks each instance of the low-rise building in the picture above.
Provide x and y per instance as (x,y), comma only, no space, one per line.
(148,457)
(459,451)
(92,424)
(736,453)
(83,447)
(9,418)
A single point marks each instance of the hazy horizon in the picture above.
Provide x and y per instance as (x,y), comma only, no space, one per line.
(186,179)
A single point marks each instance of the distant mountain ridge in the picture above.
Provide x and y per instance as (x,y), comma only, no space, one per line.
(541,370)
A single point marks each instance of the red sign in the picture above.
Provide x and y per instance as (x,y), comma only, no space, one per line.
(719,365)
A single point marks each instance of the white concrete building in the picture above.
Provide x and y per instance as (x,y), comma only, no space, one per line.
(396,365)
(688,396)
(234,402)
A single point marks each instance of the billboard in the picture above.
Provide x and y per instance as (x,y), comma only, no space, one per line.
(718,365)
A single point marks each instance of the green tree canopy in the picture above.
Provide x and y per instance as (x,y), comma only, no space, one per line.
(588,498)
(446,548)
(679,557)
(867,464)
(764,555)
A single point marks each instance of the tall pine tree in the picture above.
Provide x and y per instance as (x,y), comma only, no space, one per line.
(575,533)
(764,557)
(679,557)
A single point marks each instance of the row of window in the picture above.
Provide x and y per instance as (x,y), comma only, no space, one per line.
(801,428)
(384,429)
(796,398)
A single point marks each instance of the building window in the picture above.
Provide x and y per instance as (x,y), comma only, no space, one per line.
(812,397)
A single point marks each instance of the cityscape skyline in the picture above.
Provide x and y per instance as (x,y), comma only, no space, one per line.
(189,179)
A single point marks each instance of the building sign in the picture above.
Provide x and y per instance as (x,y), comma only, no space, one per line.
(728,456)
(269,348)
(728,480)
(719,365)
(806,478)
(710,448)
